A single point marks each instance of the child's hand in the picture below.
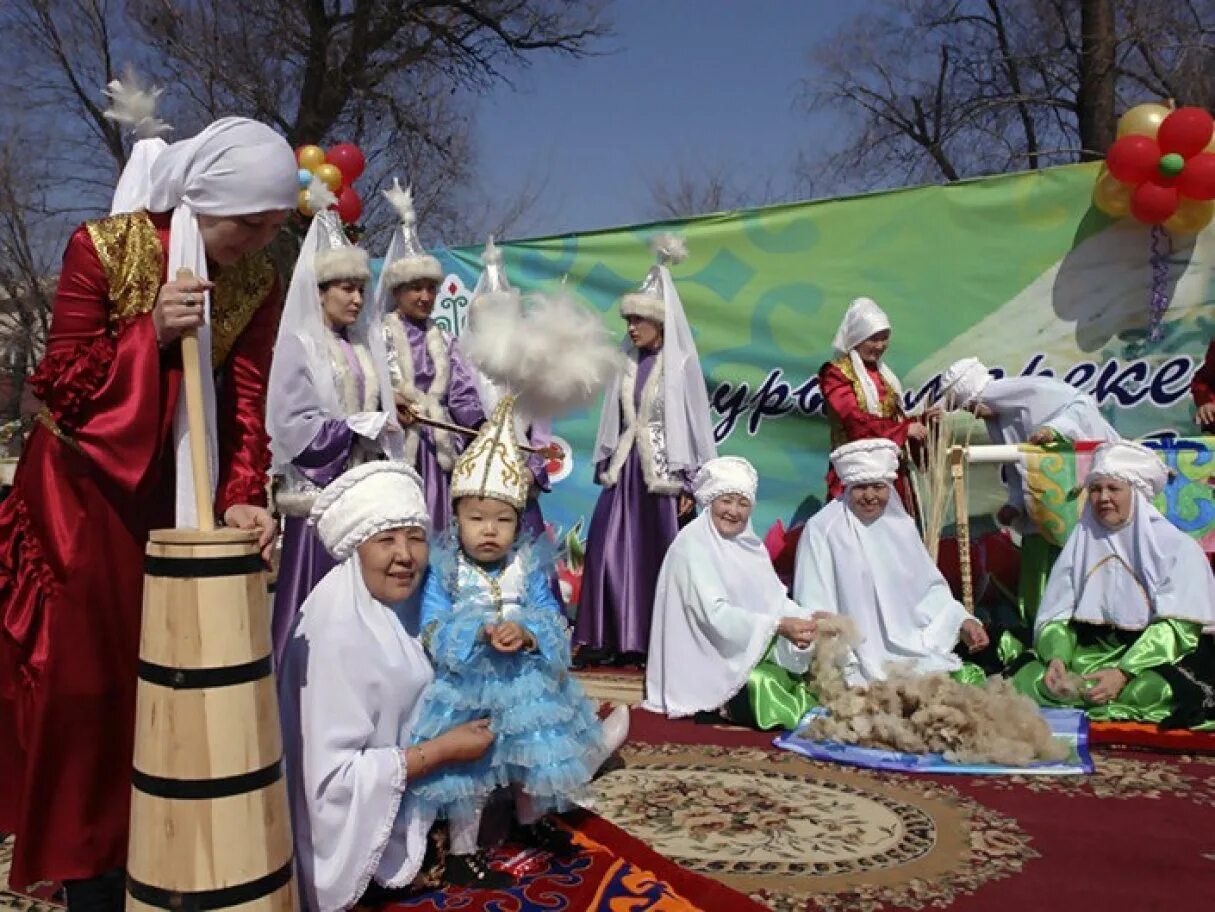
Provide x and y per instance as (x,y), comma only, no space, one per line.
(508,637)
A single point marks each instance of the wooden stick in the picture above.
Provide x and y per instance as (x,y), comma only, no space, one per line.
(196,421)
(957,469)
(552,451)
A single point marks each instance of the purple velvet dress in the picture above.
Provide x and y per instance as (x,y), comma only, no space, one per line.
(630,532)
(463,403)
(304,560)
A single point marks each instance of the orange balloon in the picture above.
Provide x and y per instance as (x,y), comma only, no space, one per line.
(310,157)
(331,175)
(1111,195)
(1191,216)
(302,204)
(1144,119)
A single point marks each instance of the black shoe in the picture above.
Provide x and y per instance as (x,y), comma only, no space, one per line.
(589,658)
(472,871)
(546,835)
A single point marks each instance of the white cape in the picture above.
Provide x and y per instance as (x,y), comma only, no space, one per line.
(1144,571)
(880,576)
(350,688)
(717,608)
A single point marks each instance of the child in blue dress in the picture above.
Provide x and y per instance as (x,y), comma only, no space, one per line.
(499,644)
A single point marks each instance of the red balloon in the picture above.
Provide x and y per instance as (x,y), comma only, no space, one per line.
(350,206)
(1186,131)
(1133,158)
(1197,179)
(348,159)
(1152,203)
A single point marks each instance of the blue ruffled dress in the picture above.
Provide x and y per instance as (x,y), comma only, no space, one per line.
(546,730)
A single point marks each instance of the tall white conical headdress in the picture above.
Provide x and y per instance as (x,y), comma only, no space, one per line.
(493,465)
(407,260)
(648,301)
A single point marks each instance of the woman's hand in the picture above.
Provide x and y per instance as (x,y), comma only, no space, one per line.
(917,432)
(246,516)
(1055,679)
(1205,416)
(799,632)
(509,637)
(179,307)
(974,635)
(685,505)
(462,743)
(1107,684)
(1041,437)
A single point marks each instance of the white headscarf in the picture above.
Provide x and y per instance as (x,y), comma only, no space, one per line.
(233,167)
(350,689)
(1144,570)
(689,428)
(302,333)
(863,319)
(717,607)
(880,576)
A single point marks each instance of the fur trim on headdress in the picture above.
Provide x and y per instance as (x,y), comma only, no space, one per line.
(410,269)
(134,107)
(643,305)
(341,263)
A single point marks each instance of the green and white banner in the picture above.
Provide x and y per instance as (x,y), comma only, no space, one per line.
(1018,270)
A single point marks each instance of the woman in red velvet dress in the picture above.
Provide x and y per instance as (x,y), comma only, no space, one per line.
(98,473)
(861,396)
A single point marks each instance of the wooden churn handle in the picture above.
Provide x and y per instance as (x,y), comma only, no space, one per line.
(196,421)
(957,470)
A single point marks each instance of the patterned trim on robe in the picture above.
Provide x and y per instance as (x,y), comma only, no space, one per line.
(889,406)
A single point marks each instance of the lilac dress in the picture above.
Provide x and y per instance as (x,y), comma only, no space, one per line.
(630,532)
(304,560)
(463,403)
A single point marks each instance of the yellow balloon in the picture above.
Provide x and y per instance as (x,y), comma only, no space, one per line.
(310,157)
(331,175)
(1144,119)
(302,204)
(1191,216)
(1111,196)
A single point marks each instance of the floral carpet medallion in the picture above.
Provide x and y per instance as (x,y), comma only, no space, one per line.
(800,835)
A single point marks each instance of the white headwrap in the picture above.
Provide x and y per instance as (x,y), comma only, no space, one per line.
(1138,466)
(350,688)
(863,319)
(866,461)
(1142,571)
(880,576)
(302,334)
(963,382)
(365,501)
(233,167)
(725,475)
(689,429)
(716,610)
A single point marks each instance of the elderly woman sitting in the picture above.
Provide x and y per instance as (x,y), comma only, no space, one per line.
(862,557)
(724,631)
(1126,602)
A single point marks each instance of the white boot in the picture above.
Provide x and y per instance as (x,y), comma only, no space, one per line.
(615,733)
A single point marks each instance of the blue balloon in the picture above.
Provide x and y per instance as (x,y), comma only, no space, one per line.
(305,178)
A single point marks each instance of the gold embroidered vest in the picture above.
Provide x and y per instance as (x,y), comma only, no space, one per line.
(889,407)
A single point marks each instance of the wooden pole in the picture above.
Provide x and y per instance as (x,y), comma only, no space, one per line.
(957,470)
(200,461)
(552,451)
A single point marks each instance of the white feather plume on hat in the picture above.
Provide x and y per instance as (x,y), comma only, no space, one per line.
(134,107)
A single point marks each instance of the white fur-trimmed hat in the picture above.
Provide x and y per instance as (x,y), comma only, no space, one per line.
(866,461)
(348,262)
(1137,465)
(963,383)
(414,262)
(648,301)
(365,501)
(725,475)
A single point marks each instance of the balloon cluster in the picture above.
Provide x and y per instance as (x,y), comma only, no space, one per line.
(1161,169)
(339,168)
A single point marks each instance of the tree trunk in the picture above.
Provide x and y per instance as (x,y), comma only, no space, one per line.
(1095,100)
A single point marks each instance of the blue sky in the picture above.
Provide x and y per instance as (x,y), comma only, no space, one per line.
(680,82)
